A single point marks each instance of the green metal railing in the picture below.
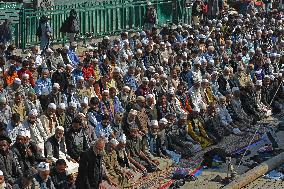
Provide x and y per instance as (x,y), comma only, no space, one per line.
(99,18)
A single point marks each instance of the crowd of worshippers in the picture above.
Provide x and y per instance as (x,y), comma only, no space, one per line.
(129,106)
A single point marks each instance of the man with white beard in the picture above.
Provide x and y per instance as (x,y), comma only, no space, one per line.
(126,96)
(34,125)
(195,93)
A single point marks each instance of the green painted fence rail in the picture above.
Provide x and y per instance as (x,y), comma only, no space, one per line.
(96,18)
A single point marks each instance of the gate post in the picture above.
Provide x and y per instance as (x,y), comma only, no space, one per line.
(22,28)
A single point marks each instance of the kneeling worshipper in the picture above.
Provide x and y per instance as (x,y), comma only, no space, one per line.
(226,119)
(195,129)
(136,155)
(123,159)
(120,176)
(213,125)
(265,110)
(180,141)
(157,147)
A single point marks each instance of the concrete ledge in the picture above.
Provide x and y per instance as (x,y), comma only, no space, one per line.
(258,171)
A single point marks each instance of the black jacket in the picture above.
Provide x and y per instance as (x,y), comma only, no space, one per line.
(71,25)
(90,173)
(59,179)
(61,79)
(25,162)
(9,166)
(56,147)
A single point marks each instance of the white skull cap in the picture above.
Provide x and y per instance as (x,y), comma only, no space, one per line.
(56,85)
(122,138)
(52,106)
(114,141)
(153,123)
(43,166)
(17,81)
(33,112)
(60,128)
(61,106)
(163,121)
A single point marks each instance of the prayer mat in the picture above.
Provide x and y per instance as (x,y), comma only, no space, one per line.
(154,180)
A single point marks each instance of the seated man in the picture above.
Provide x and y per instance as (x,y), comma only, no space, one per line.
(59,176)
(8,163)
(237,106)
(137,157)
(180,141)
(26,181)
(14,126)
(226,119)
(123,159)
(33,124)
(249,101)
(238,120)
(42,178)
(264,109)
(157,147)
(76,139)
(55,148)
(213,125)
(195,128)
(24,156)
(122,177)
(104,127)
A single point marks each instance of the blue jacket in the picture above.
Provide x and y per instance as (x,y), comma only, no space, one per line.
(41,84)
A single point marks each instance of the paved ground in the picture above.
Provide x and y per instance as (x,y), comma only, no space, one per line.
(204,180)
